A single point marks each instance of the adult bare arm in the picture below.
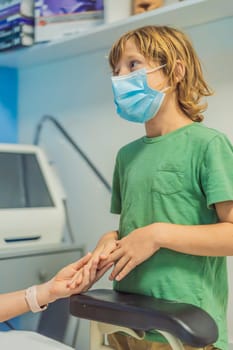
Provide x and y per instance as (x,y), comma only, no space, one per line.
(14,303)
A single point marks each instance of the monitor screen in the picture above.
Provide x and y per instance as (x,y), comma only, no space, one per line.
(22,184)
(31,198)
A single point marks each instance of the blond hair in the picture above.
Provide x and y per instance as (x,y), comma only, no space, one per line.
(166,45)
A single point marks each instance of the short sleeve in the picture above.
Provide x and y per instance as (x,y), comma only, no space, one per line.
(116,193)
(217,170)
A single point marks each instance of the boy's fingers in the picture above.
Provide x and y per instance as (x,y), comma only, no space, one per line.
(124,272)
(120,267)
(102,271)
(110,249)
(112,258)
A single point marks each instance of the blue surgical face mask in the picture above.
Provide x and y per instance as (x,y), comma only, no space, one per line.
(134,99)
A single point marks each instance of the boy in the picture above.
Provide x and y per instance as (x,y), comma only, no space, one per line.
(173,188)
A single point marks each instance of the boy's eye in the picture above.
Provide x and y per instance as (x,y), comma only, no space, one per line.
(134,64)
(130,66)
(115,72)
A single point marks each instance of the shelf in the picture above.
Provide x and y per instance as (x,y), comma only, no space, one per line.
(183,14)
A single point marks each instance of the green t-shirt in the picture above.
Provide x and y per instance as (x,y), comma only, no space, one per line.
(176,178)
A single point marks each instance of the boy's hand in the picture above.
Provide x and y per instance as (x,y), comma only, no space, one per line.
(132,250)
(105,246)
(97,264)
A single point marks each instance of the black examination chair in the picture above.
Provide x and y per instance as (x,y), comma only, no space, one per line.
(111,311)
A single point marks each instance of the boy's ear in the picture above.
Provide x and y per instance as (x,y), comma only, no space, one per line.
(179,70)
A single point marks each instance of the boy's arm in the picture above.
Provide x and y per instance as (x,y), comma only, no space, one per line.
(203,240)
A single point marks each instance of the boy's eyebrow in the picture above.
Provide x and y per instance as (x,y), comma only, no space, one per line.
(136,55)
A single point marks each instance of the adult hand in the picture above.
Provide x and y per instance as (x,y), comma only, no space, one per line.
(59,286)
(91,271)
(98,263)
(87,276)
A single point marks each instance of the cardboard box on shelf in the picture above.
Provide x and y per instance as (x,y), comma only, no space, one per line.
(57,20)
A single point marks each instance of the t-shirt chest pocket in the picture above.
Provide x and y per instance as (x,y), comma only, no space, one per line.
(167,181)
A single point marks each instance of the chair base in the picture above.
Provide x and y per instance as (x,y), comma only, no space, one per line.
(98,330)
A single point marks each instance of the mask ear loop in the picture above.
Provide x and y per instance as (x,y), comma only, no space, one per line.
(155,69)
(165,89)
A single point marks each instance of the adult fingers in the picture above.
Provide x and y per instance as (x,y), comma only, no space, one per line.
(76,279)
(93,270)
(84,285)
(81,262)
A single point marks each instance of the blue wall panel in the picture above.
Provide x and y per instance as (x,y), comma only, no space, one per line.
(8,124)
(8,105)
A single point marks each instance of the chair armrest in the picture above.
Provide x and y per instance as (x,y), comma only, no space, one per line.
(192,325)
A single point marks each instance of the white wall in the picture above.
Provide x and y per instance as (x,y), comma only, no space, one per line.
(78,92)
(216,50)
